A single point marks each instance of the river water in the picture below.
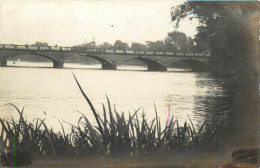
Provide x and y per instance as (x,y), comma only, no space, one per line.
(55,93)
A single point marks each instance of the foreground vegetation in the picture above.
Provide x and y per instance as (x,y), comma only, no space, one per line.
(114,135)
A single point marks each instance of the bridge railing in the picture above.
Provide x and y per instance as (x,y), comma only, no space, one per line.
(98,50)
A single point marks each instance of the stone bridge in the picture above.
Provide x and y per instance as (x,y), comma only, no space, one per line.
(156,61)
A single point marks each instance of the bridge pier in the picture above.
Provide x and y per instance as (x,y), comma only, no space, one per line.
(58,64)
(108,66)
(3,63)
(157,68)
(200,68)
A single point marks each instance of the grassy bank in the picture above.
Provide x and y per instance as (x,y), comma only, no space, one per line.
(113,136)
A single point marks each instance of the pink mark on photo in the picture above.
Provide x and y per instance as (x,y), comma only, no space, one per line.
(169,111)
(169,115)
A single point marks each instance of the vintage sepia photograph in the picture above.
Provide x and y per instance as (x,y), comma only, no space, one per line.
(129,84)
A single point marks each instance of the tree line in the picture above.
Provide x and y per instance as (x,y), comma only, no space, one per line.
(175,41)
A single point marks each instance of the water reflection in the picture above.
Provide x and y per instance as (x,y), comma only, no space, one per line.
(214,103)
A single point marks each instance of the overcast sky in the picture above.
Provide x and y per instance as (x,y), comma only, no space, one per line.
(69,23)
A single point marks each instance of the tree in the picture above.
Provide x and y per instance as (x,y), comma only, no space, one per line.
(202,40)
(105,45)
(230,29)
(119,45)
(155,46)
(41,44)
(178,41)
(87,45)
(219,24)
(138,46)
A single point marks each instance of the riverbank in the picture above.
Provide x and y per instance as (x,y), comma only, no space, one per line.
(112,137)
(127,163)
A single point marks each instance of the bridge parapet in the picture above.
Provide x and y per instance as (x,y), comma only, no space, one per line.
(109,58)
(100,50)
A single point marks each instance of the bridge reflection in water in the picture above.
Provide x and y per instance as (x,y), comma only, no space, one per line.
(155,60)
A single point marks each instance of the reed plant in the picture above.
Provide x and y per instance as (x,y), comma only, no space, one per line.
(114,135)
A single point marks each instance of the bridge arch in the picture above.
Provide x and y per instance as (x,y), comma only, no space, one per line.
(153,65)
(106,63)
(196,64)
(56,63)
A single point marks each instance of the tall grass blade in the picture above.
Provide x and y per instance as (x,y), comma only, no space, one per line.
(157,122)
(194,131)
(105,121)
(50,139)
(201,128)
(91,106)
(63,131)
